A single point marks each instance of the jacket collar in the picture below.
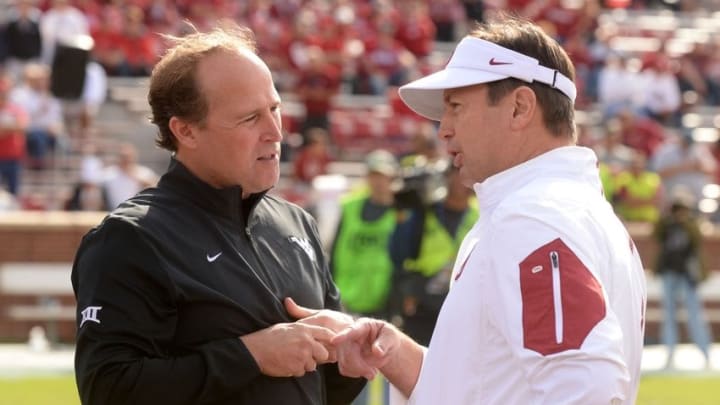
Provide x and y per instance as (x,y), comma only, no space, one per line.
(570,162)
(226,202)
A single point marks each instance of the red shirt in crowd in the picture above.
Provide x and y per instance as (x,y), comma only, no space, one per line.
(12,142)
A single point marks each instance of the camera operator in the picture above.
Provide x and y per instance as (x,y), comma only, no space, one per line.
(424,246)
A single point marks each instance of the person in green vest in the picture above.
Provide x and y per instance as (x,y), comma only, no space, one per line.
(638,192)
(607,179)
(360,259)
(424,249)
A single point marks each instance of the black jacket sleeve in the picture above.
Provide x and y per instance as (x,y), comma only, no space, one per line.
(122,354)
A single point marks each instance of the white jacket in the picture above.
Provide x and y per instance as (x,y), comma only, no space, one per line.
(548,299)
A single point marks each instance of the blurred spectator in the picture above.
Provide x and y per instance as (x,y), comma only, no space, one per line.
(92,9)
(127,177)
(13,123)
(560,19)
(360,262)
(424,144)
(314,156)
(8,202)
(416,31)
(60,23)
(107,38)
(611,151)
(304,36)
(139,46)
(661,91)
(618,86)
(683,163)
(94,95)
(45,130)
(446,14)
(424,249)
(711,71)
(639,132)
(474,11)
(164,16)
(638,192)
(387,60)
(715,150)
(22,36)
(89,194)
(317,86)
(690,74)
(607,178)
(681,266)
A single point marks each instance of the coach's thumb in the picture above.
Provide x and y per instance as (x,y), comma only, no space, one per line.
(385,342)
(296,311)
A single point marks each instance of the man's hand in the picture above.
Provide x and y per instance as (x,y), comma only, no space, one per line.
(332,320)
(289,349)
(365,347)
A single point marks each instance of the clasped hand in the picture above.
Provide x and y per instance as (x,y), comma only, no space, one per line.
(359,347)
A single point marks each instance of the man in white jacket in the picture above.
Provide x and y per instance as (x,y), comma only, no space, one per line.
(548,294)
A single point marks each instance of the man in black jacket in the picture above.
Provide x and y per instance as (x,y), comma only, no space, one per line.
(183,290)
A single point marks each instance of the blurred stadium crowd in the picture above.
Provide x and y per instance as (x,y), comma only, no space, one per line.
(648,74)
(74,133)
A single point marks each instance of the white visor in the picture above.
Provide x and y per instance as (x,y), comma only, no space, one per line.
(477,61)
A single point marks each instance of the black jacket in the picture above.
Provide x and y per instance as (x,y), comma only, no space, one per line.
(167,283)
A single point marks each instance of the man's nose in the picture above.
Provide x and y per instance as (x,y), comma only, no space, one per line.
(445,129)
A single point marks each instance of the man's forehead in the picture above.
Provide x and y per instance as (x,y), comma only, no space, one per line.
(457,91)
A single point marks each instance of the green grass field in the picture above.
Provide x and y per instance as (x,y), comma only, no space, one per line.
(654,390)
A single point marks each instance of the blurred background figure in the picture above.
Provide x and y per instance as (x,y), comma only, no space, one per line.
(8,202)
(313,158)
(360,260)
(90,193)
(661,90)
(126,177)
(639,132)
(62,21)
(13,123)
(683,163)
(424,144)
(638,192)
(46,130)
(618,86)
(611,151)
(424,249)
(319,82)
(680,265)
(22,36)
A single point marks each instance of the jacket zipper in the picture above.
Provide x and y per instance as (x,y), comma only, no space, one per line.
(260,279)
(557,296)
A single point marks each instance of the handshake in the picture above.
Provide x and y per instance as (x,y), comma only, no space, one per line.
(360,347)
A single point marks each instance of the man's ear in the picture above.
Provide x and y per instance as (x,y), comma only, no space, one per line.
(184,132)
(524,107)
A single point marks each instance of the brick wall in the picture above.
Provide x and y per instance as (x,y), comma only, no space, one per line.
(40,237)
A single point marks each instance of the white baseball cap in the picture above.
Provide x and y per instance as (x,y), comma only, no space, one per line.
(477,61)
